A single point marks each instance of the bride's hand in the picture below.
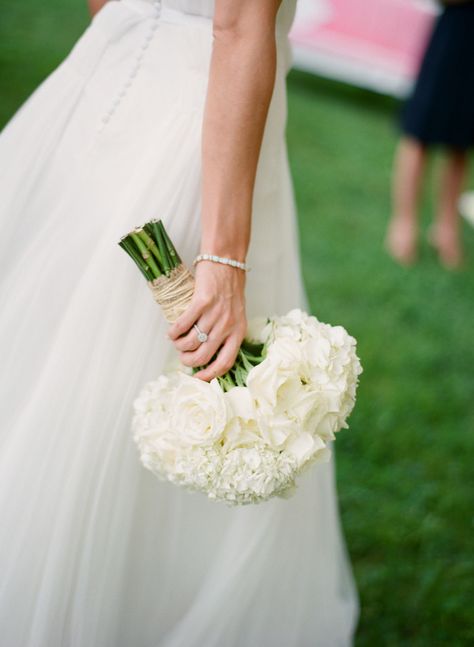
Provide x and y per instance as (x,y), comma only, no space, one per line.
(241,80)
(218,308)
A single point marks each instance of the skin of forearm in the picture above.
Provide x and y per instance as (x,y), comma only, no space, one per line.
(241,81)
(95,6)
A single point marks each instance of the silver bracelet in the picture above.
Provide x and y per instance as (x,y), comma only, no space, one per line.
(220,259)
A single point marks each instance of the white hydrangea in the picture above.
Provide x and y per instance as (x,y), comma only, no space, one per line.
(250,443)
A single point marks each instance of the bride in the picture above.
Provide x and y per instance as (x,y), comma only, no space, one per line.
(172,110)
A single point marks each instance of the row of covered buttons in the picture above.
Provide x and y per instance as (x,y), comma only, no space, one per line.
(137,62)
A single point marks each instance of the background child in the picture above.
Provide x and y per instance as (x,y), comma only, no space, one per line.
(440,112)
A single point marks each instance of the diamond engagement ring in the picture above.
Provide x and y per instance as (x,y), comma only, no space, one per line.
(202,336)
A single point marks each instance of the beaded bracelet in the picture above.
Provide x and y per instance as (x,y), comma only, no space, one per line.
(220,259)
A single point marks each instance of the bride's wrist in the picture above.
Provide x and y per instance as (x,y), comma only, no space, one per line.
(238,253)
(221,260)
(222,277)
(224,244)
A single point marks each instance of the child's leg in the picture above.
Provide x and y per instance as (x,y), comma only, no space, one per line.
(445,233)
(408,172)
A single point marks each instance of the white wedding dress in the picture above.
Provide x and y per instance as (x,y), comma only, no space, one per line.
(94,550)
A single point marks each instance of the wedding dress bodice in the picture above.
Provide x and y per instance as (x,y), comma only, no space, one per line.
(197,7)
(205,8)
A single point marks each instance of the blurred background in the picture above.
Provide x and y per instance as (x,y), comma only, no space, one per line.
(405,469)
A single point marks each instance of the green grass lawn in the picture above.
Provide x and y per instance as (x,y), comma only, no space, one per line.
(405,469)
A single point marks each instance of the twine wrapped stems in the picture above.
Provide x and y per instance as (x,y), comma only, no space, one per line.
(172,286)
(169,280)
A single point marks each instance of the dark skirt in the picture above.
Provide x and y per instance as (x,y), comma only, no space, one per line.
(441,108)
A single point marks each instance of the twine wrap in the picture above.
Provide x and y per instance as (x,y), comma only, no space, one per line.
(173,293)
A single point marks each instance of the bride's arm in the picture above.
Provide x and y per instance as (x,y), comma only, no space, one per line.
(95,6)
(241,80)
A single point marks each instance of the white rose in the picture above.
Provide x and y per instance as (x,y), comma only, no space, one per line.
(295,398)
(199,411)
(242,428)
(151,416)
(258,329)
(263,382)
(294,325)
(317,351)
(323,423)
(284,361)
(241,433)
(305,447)
(280,388)
(240,403)
(277,429)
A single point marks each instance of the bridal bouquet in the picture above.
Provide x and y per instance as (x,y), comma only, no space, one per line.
(243,437)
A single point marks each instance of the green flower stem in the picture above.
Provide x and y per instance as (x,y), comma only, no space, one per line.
(240,376)
(237,375)
(226,382)
(146,254)
(151,246)
(248,365)
(153,226)
(176,260)
(252,348)
(151,249)
(253,358)
(131,250)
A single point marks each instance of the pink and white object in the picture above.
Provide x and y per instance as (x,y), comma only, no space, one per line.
(372,43)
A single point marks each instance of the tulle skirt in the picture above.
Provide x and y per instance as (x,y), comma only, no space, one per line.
(94,551)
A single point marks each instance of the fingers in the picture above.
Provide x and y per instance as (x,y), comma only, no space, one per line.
(219,328)
(218,308)
(219,331)
(204,351)
(224,360)
(190,341)
(187,319)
